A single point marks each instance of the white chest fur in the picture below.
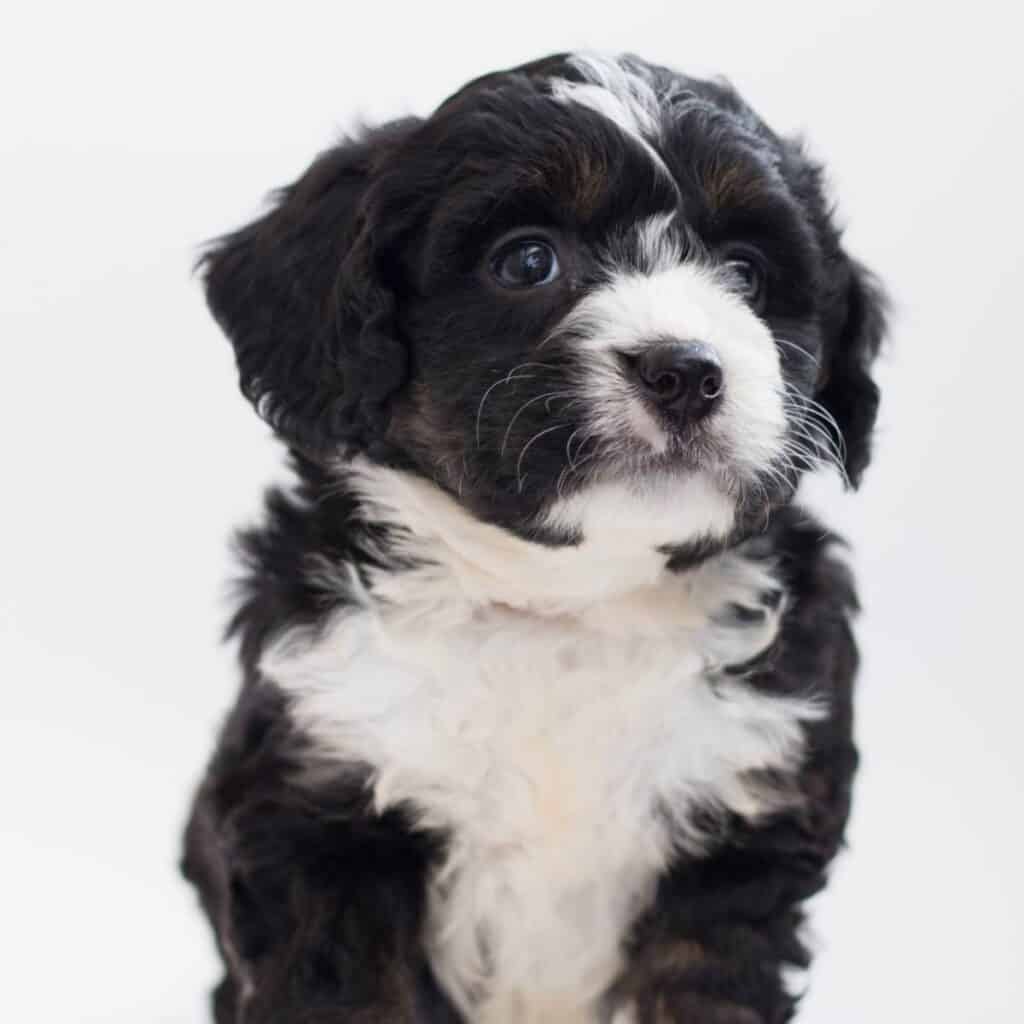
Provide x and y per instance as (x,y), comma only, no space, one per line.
(564,756)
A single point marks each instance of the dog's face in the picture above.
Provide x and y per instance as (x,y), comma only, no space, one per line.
(579,277)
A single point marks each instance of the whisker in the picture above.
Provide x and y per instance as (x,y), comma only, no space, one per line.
(817,420)
(509,378)
(487,393)
(568,446)
(797,348)
(530,401)
(819,439)
(526,448)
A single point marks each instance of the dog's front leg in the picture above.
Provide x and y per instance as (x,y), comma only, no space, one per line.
(318,917)
(724,930)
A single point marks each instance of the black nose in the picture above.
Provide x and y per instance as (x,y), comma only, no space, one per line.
(682,378)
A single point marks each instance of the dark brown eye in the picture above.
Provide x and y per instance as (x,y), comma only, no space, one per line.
(525,263)
(748,274)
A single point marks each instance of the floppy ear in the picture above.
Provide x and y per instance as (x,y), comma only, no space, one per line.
(301,295)
(845,386)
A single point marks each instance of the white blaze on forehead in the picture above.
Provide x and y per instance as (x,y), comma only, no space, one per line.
(657,246)
(649,245)
(624,95)
(613,86)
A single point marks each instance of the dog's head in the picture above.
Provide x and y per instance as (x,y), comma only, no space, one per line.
(582,275)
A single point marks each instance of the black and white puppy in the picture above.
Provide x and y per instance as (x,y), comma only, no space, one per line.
(546,714)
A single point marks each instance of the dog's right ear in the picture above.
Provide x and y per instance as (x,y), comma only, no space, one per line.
(303,294)
(846,387)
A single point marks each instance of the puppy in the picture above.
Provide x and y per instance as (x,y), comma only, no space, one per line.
(546,711)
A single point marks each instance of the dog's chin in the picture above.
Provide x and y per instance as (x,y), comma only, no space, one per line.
(694,495)
(693,454)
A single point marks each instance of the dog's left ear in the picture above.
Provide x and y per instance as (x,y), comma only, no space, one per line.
(844,385)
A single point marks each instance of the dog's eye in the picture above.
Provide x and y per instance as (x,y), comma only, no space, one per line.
(748,272)
(525,263)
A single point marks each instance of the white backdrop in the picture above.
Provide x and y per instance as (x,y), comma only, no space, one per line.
(132,133)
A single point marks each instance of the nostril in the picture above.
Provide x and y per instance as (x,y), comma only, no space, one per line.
(666,385)
(711,385)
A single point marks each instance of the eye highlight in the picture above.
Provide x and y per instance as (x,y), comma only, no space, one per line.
(747,269)
(525,263)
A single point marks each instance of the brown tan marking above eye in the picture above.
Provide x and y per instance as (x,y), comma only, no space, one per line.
(728,183)
(591,178)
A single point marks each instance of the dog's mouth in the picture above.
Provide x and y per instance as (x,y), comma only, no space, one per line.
(658,435)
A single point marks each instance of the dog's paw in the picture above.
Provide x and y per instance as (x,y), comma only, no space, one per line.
(743,601)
